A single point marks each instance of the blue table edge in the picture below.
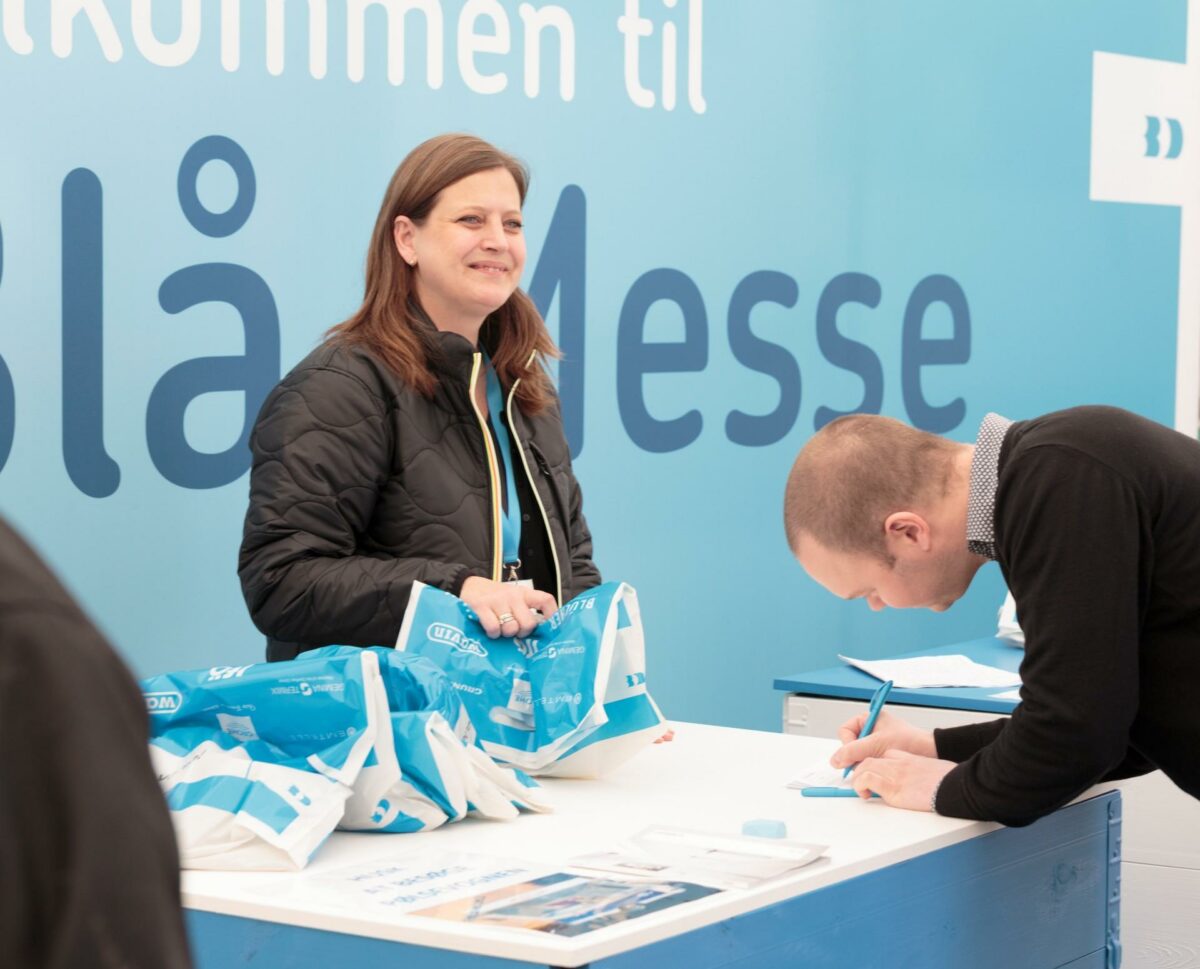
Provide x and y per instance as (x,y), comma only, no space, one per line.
(847,683)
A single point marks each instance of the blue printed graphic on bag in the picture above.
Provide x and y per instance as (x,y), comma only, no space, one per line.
(568,700)
(260,763)
(425,770)
(257,762)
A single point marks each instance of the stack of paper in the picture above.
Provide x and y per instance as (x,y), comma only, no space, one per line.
(924,672)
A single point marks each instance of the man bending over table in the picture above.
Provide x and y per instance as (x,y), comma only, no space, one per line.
(1093,514)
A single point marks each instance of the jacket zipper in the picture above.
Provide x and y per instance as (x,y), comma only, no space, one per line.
(512,429)
(493,473)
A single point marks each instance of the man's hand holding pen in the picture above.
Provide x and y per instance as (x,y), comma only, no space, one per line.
(894,759)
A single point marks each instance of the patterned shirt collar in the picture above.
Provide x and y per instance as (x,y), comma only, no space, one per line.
(981,495)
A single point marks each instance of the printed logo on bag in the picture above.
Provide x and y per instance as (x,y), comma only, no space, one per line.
(570,608)
(307,688)
(455,638)
(239,728)
(165,702)
(531,649)
(559,699)
(226,672)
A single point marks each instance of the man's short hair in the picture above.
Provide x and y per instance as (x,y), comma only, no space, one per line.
(855,472)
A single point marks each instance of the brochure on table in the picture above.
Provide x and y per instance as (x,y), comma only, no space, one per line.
(659,868)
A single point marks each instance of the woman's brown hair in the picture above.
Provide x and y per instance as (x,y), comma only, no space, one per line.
(388,322)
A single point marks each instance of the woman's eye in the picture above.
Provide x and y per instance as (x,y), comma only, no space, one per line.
(514,224)
(471,219)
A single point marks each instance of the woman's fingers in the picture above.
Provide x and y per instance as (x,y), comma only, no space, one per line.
(523,621)
(488,619)
(514,612)
(543,602)
(506,608)
(521,600)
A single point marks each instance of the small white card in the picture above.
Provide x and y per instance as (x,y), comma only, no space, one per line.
(820,775)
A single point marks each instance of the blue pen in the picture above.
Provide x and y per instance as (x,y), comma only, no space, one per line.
(831,792)
(877,702)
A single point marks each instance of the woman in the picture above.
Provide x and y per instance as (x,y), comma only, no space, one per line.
(423,439)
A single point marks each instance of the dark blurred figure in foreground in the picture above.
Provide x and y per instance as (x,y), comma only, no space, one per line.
(89,874)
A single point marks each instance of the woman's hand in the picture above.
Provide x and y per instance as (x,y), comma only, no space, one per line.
(506,608)
(890,733)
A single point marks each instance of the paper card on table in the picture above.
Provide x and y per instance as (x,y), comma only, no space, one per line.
(626,863)
(630,864)
(923,672)
(820,775)
(710,858)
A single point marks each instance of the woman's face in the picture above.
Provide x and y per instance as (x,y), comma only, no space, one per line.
(470,251)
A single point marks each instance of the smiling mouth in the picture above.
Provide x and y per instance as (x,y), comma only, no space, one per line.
(490,269)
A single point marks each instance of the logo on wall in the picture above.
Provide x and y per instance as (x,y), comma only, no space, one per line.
(1154,127)
(1141,109)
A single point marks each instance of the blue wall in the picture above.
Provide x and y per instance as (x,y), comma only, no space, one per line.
(881,205)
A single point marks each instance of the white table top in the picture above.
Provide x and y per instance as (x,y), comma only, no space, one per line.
(708,778)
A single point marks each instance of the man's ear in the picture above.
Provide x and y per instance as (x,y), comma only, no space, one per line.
(905,533)
(403,233)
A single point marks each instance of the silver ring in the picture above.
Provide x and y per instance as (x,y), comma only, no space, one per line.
(507,617)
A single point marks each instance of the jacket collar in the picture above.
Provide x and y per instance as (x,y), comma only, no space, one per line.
(450,353)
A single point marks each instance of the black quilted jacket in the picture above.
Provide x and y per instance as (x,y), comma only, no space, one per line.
(361,485)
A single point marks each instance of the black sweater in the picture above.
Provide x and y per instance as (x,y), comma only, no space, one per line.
(1098,535)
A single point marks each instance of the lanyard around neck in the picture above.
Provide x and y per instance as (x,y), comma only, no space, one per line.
(510,518)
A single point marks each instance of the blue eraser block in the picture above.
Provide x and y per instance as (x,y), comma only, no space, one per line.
(765,828)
